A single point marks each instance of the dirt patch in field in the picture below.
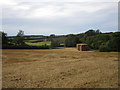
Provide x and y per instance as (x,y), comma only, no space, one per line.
(59,68)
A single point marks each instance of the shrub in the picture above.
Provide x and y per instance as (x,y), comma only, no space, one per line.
(104,48)
(71,41)
(55,44)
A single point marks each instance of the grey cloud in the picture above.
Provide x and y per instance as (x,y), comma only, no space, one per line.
(104,19)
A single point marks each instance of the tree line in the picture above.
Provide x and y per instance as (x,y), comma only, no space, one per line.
(18,42)
(96,40)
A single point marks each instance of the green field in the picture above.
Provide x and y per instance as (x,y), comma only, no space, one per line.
(31,40)
(32,37)
(39,43)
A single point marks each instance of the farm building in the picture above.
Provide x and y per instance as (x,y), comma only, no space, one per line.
(82,47)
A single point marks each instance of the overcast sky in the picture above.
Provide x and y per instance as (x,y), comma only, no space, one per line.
(58,17)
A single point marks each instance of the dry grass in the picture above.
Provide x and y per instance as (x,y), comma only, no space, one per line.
(59,68)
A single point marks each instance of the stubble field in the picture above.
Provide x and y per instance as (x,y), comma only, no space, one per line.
(59,68)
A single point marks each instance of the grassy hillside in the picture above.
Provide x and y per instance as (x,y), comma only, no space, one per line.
(39,43)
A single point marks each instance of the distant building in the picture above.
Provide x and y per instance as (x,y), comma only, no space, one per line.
(82,47)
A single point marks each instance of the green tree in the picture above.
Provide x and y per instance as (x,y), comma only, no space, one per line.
(98,31)
(114,43)
(90,33)
(71,41)
(52,36)
(104,48)
(19,39)
(96,41)
(4,38)
(55,44)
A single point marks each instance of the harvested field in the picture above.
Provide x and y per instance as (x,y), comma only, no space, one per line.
(59,68)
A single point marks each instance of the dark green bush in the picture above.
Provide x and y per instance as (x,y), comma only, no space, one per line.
(103,48)
(55,44)
(71,41)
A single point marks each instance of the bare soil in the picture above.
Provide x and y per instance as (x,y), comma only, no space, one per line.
(59,68)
